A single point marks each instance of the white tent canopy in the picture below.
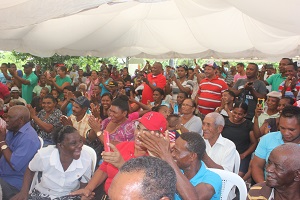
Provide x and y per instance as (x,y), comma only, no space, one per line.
(152,28)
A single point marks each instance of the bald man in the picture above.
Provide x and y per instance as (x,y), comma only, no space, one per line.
(153,80)
(283,175)
(18,143)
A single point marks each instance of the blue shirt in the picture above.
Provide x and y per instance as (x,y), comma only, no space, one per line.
(206,176)
(104,90)
(267,143)
(24,144)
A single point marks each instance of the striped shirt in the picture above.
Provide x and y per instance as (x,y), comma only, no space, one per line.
(209,94)
(82,126)
(288,92)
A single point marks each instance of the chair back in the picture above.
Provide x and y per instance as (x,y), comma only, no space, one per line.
(93,155)
(41,141)
(237,162)
(229,180)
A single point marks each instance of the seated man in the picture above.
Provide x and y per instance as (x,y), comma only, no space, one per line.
(220,151)
(194,180)
(18,146)
(144,178)
(79,118)
(289,125)
(283,172)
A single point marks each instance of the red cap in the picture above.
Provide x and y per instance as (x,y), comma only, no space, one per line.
(154,121)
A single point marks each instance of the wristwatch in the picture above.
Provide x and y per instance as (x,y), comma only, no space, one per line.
(99,133)
(4,147)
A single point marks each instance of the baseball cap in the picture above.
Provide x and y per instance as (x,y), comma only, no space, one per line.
(113,83)
(15,89)
(274,94)
(211,63)
(154,121)
(82,101)
(29,64)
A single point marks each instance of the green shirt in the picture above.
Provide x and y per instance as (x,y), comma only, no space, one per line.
(61,81)
(275,80)
(27,89)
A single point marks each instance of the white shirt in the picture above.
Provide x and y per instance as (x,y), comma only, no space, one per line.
(176,90)
(222,152)
(55,181)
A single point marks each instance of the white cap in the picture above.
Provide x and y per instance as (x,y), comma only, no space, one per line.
(15,89)
(275,94)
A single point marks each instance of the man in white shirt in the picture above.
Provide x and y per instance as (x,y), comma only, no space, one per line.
(220,152)
(15,94)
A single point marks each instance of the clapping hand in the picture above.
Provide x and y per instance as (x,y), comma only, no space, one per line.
(95,123)
(66,121)
(31,110)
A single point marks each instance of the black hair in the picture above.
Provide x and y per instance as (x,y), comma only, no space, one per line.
(290,112)
(60,133)
(107,94)
(159,177)
(121,102)
(77,94)
(184,67)
(241,64)
(289,59)
(195,143)
(185,94)
(70,88)
(230,92)
(291,100)
(161,91)
(48,96)
(63,68)
(241,105)
(256,66)
(157,108)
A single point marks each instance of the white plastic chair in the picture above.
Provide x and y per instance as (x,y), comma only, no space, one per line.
(237,162)
(42,142)
(229,180)
(93,155)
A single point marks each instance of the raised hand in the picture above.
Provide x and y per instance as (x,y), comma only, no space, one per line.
(114,157)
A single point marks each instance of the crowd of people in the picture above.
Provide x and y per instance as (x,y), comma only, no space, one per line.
(155,134)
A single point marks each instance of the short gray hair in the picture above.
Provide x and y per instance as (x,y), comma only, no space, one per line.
(85,86)
(219,119)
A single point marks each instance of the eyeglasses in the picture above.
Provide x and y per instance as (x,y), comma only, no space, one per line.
(186,105)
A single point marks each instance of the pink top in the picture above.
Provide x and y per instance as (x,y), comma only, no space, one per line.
(238,76)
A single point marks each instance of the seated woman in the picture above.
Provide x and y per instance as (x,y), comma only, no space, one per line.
(120,128)
(47,120)
(101,111)
(151,121)
(65,168)
(190,122)
(158,96)
(176,106)
(240,131)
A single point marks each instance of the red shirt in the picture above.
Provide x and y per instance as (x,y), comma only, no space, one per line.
(126,149)
(209,94)
(158,81)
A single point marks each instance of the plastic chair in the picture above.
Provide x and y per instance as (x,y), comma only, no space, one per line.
(93,155)
(229,180)
(42,142)
(237,162)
